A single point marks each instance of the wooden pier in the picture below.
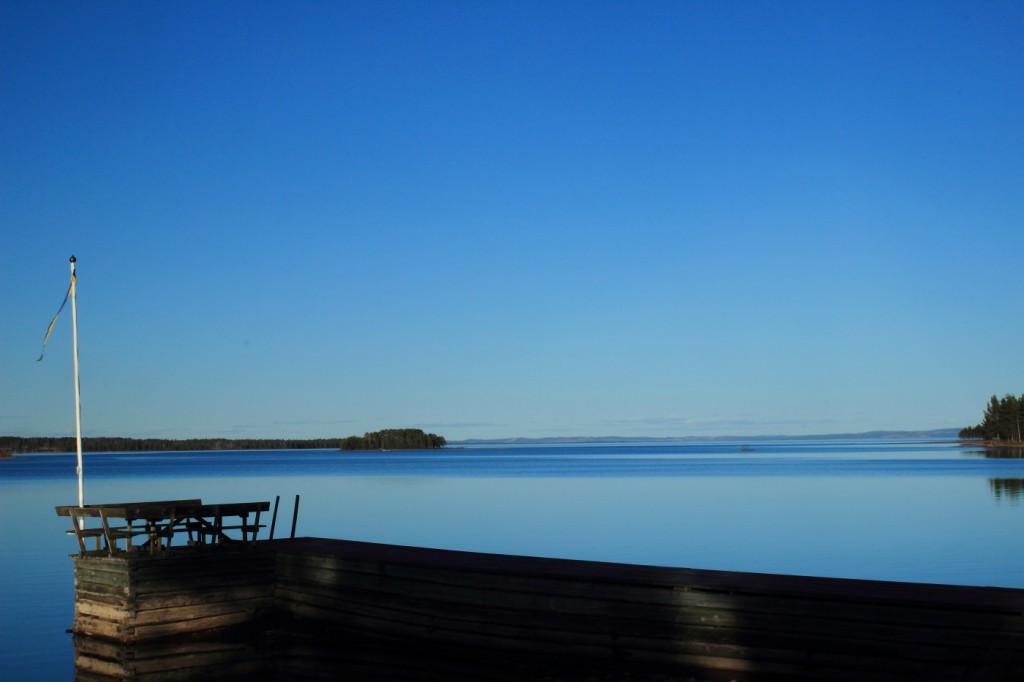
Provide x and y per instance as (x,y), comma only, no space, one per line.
(324,608)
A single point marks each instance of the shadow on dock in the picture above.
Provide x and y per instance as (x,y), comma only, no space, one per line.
(308,608)
(299,651)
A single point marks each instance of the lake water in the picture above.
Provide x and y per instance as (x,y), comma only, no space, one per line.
(910,510)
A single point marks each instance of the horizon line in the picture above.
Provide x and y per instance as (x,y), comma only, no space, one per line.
(951,432)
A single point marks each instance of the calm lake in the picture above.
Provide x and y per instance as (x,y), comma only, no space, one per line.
(909,510)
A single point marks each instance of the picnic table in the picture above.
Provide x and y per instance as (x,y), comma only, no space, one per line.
(157,523)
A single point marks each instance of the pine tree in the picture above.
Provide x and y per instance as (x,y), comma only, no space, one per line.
(1003,421)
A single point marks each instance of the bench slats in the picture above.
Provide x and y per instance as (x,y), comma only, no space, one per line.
(160,521)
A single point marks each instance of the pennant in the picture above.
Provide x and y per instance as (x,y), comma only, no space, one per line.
(54,320)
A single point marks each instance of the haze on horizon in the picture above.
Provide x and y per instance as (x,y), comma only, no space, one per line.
(528,219)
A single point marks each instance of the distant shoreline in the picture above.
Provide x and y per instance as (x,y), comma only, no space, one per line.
(41,445)
(933,434)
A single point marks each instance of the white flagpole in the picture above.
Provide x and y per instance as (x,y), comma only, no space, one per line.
(78,396)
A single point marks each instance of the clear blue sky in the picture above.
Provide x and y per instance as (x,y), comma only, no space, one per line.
(488,219)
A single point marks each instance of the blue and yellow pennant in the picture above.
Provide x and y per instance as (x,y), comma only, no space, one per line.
(49,329)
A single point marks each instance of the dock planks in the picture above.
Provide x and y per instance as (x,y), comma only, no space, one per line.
(523,615)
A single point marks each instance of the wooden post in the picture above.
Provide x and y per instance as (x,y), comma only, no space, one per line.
(273,519)
(295,515)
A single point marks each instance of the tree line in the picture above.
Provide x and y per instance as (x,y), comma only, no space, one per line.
(1003,421)
(394,439)
(121,444)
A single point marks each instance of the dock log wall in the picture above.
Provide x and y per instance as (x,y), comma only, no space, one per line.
(535,617)
(138,597)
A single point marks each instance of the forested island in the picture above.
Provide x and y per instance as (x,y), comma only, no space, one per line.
(394,439)
(388,439)
(1002,423)
(17,444)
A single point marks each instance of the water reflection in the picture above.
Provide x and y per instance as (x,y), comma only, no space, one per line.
(1008,489)
(1008,452)
(323,653)
(226,656)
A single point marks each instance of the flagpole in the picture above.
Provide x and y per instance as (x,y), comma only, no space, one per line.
(78,394)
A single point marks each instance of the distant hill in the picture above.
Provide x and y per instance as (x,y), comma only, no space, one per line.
(124,444)
(933,434)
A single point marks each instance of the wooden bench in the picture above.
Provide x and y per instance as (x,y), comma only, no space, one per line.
(160,522)
(207,522)
(129,512)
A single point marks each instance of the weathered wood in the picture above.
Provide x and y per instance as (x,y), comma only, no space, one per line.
(160,522)
(820,626)
(191,626)
(93,509)
(555,633)
(705,624)
(599,598)
(133,598)
(176,659)
(98,627)
(823,633)
(191,598)
(655,624)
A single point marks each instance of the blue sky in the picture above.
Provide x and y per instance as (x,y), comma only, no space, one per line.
(491,219)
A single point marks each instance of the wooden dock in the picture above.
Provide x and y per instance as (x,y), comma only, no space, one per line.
(320,608)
